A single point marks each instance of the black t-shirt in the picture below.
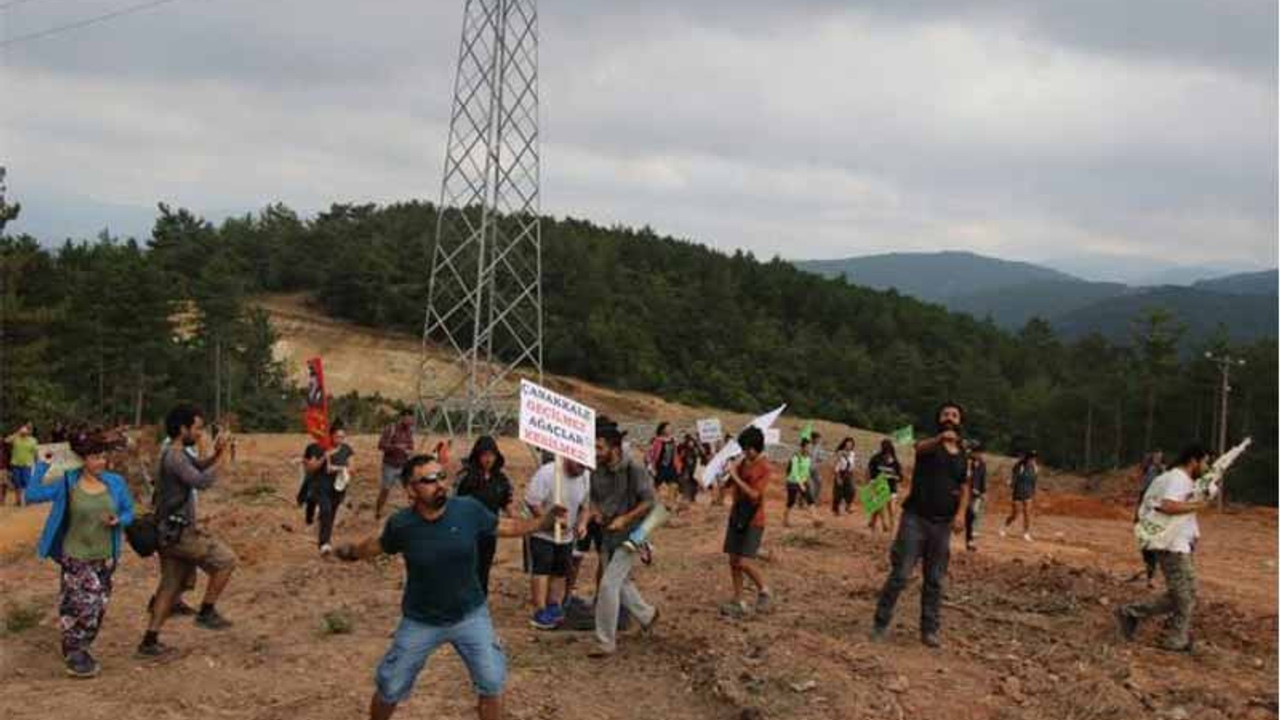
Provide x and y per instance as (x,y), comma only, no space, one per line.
(887,465)
(341,456)
(936,484)
(495,492)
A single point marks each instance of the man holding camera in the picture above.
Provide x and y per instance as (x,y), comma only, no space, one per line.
(184,546)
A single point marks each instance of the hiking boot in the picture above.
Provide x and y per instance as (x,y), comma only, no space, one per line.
(1127,622)
(212,620)
(931,639)
(879,633)
(735,609)
(153,651)
(81,665)
(544,620)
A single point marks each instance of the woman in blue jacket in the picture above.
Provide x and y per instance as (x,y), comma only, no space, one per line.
(83,534)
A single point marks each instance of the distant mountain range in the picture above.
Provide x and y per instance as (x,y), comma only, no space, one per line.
(1011,293)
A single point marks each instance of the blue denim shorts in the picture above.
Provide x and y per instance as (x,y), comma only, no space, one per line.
(390,477)
(471,637)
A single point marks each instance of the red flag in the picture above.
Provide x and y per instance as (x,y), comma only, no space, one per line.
(316,417)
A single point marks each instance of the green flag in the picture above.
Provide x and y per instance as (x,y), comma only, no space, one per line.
(904,436)
(875,495)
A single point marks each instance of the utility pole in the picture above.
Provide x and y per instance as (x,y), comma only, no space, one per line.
(1224,363)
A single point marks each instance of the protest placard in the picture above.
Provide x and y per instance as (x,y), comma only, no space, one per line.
(709,430)
(875,495)
(561,426)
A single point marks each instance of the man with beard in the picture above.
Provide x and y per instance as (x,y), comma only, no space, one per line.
(443,602)
(1172,494)
(183,545)
(939,493)
(621,496)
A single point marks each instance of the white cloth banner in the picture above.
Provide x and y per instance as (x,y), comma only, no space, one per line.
(731,449)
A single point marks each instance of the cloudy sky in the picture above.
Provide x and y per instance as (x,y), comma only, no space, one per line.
(1099,135)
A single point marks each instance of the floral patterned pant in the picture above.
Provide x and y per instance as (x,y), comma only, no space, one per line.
(86,589)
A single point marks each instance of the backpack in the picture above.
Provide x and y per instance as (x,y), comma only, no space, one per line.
(143,535)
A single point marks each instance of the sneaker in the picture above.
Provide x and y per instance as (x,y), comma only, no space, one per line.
(600,652)
(212,620)
(735,609)
(764,601)
(1027,537)
(82,666)
(878,634)
(556,612)
(544,620)
(1004,531)
(931,639)
(326,550)
(970,547)
(153,651)
(1127,623)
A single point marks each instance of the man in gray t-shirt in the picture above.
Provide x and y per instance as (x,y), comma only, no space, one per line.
(184,547)
(621,496)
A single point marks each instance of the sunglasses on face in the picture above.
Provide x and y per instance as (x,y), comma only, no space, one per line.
(428,479)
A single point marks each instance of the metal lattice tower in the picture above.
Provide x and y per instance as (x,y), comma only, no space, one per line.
(484,306)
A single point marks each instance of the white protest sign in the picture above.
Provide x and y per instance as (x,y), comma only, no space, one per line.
(552,422)
(773,436)
(709,430)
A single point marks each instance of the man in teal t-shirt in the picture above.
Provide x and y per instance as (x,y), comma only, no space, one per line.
(442,601)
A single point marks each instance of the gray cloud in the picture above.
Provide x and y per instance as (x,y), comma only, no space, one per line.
(809,129)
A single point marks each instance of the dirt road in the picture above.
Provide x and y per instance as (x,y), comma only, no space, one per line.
(1027,626)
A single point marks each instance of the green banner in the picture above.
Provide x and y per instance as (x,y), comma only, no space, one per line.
(875,495)
(904,436)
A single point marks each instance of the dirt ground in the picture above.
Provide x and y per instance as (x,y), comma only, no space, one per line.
(1027,626)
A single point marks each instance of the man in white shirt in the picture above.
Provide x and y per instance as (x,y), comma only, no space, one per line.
(546,559)
(1170,497)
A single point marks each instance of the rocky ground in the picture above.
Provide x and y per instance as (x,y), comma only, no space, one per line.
(1027,626)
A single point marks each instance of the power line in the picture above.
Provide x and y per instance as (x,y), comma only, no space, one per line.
(82,23)
(14,3)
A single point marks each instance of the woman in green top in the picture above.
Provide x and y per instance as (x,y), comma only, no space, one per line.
(83,535)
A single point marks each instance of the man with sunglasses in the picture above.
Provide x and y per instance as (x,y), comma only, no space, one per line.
(443,601)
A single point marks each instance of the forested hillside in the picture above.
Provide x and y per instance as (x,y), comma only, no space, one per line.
(89,333)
